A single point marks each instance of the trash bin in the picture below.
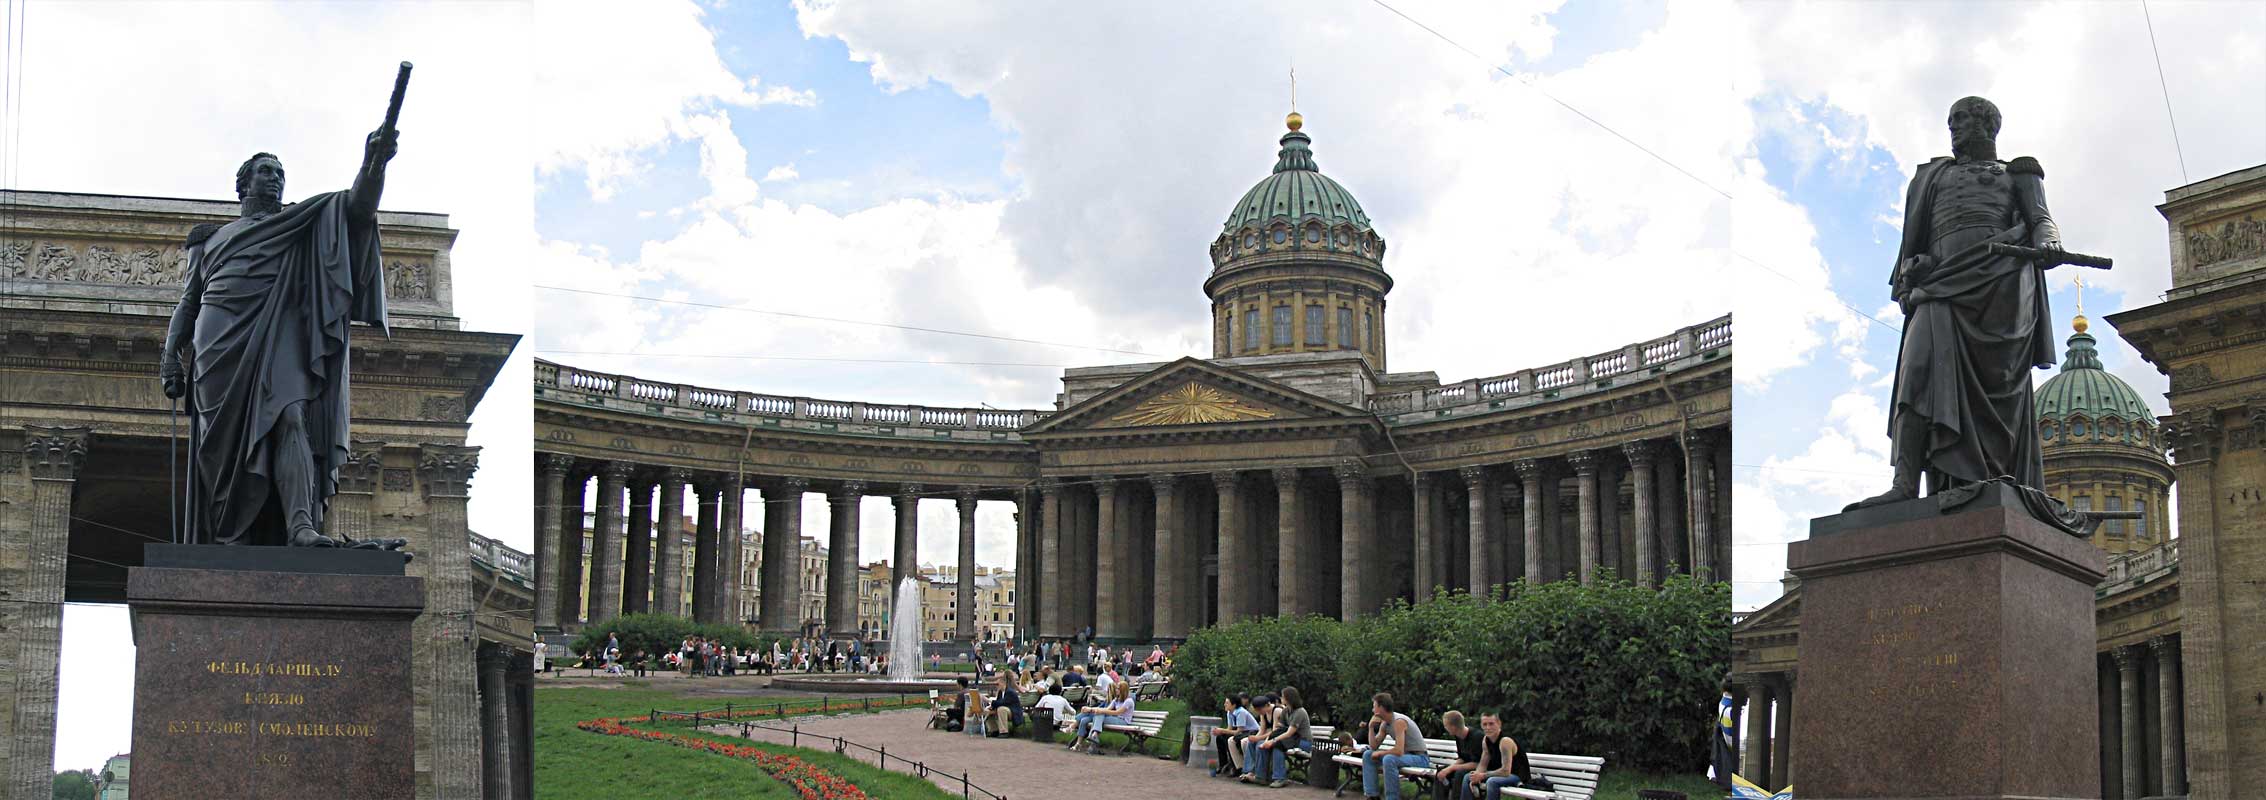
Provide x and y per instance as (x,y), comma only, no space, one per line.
(1041,721)
(1321,772)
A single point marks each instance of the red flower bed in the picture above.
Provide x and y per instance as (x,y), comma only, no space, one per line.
(810,781)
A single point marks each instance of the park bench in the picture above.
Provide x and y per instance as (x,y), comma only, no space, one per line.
(1440,749)
(1144,725)
(1150,691)
(1297,757)
(1074,694)
(1571,777)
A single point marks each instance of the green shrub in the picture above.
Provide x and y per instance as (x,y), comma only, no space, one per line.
(1611,669)
(654,634)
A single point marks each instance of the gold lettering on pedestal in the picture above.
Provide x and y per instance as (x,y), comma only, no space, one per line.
(275,759)
(300,670)
(203,727)
(274,699)
(356,730)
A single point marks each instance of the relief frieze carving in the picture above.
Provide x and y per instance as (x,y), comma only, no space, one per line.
(409,280)
(2234,240)
(141,264)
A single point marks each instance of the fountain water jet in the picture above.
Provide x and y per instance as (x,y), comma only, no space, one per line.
(904,644)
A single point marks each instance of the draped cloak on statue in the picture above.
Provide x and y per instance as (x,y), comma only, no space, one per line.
(274,298)
(1975,324)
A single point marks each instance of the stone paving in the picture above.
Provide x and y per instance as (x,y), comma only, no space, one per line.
(1020,768)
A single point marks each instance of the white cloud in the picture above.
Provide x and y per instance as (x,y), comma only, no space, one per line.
(781,173)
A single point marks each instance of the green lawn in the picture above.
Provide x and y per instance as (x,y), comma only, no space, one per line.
(1625,784)
(572,764)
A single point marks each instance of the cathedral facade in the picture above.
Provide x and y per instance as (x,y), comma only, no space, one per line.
(1289,473)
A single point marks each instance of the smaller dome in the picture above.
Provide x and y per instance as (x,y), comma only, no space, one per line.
(2083,388)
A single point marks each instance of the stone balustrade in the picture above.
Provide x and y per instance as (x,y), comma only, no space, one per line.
(1686,347)
(2144,563)
(517,566)
(701,399)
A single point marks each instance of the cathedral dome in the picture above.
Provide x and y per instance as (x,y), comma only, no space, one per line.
(1296,192)
(2088,402)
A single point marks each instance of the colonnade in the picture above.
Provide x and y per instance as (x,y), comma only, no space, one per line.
(639,538)
(2143,746)
(1762,714)
(1154,556)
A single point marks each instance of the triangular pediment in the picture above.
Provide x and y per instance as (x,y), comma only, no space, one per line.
(1192,392)
(1785,611)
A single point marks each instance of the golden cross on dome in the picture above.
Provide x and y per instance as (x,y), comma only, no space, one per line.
(1294,90)
(2079,282)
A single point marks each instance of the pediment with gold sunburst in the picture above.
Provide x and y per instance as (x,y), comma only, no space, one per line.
(1192,403)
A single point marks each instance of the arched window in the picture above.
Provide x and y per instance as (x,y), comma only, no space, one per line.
(1315,335)
(1281,335)
(1230,322)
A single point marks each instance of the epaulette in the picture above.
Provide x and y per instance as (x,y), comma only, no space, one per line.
(199,234)
(2026,165)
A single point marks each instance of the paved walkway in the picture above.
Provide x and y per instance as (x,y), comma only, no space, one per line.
(1020,768)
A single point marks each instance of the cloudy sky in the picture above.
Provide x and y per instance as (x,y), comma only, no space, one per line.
(166,99)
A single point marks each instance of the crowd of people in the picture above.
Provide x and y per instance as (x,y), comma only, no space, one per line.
(1256,733)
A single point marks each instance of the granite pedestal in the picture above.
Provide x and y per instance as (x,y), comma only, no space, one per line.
(268,672)
(1946,655)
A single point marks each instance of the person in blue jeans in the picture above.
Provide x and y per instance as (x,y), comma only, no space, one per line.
(1294,728)
(1237,722)
(1381,766)
(1118,712)
(1501,763)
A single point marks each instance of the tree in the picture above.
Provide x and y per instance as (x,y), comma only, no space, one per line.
(74,784)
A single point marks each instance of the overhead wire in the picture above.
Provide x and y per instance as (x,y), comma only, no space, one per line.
(818,318)
(2164,87)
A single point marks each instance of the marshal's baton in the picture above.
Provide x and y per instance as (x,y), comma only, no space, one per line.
(2048,259)
(393,106)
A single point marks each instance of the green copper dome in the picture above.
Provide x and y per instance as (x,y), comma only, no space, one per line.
(1297,191)
(2084,389)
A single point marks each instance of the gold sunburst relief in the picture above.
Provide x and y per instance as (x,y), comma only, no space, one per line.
(1192,403)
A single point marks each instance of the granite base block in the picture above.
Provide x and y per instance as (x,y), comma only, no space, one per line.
(1946,656)
(264,683)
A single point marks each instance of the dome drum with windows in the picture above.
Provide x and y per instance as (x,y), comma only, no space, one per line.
(1297,267)
(2103,448)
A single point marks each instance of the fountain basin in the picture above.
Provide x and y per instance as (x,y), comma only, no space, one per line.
(836,683)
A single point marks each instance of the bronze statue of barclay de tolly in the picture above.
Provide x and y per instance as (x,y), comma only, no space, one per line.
(258,344)
(1970,279)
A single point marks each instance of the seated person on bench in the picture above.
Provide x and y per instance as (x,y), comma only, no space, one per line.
(1118,712)
(1006,708)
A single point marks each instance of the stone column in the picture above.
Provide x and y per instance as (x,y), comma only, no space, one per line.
(570,550)
(606,543)
(1781,764)
(783,554)
(637,585)
(905,552)
(2128,704)
(495,728)
(554,468)
(1169,598)
(1612,554)
(1055,572)
(966,630)
(1720,561)
(454,742)
(1236,592)
(1640,455)
(1585,476)
(842,561)
(1510,549)
(1027,557)
(704,521)
(668,549)
(1292,553)
(1756,754)
(1109,594)
(350,510)
(1702,515)
(2198,440)
(1421,494)
(1481,565)
(53,457)
(1668,519)
(2167,712)
(1531,474)
(730,527)
(1357,542)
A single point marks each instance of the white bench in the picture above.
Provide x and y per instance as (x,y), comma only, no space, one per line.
(1074,694)
(1440,749)
(1145,724)
(1571,777)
